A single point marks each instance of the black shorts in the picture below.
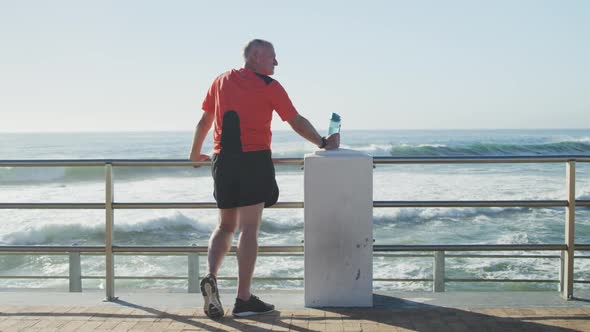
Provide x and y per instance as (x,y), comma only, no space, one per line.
(244,178)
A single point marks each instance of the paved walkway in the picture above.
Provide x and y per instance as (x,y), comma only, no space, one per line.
(132,318)
(182,312)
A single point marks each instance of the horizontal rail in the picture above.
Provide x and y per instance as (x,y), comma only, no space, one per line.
(133,249)
(280,278)
(294,205)
(299,279)
(475,280)
(164,254)
(203,249)
(124,162)
(470,256)
(294,161)
(423,204)
(156,162)
(183,205)
(51,249)
(54,163)
(289,254)
(184,278)
(101,206)
(32,277)
(403,280)
(480,160)
(163,250)
(141,278)
(54,206)
(503,256)
(498,280)
(471,247)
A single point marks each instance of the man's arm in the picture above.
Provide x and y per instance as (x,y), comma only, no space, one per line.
(304,128)
(201,131)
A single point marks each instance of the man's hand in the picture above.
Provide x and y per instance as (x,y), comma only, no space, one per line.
(201,157)
(333,141)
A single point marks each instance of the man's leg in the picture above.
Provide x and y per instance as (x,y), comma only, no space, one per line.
(219,245)
(221,239)
(249,218)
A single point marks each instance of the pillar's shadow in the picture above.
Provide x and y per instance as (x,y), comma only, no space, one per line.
(401,313)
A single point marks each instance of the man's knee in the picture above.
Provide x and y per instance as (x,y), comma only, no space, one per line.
(228,220)
(227,228)
(249,227)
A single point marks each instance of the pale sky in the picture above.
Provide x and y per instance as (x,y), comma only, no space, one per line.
(146,65)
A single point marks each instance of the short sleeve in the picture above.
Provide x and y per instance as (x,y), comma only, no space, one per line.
(281,102)
(209,102)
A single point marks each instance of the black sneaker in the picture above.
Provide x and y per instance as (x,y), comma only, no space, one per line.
(254,306)
(212,307)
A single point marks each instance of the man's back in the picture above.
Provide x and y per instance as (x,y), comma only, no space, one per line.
(243,102)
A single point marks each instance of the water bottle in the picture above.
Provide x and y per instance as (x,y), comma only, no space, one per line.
(334,124)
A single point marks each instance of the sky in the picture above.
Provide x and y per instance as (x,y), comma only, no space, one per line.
(137,65)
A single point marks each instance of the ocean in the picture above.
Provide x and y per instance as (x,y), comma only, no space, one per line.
(285,226)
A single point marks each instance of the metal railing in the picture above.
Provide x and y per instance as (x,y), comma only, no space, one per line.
(438,279)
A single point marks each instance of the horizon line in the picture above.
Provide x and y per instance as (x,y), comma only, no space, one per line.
(277,130)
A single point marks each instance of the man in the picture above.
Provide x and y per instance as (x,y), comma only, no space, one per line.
(241,102)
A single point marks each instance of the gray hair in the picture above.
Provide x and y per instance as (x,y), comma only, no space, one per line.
(254,44)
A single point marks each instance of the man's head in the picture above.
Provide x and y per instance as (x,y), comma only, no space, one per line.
(259,55)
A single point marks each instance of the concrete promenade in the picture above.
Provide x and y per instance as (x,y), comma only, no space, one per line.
(413,311)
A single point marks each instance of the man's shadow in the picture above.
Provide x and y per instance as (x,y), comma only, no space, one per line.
(272,319)
(184,319)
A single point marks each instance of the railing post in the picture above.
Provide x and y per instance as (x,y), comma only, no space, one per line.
(193,272)
(438,276)
(75,272)
(561,270)
(570,217)
(109,257)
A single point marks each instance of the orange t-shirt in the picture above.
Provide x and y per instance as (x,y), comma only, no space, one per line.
(253,97)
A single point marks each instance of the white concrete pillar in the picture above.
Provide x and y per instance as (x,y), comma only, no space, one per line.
(338,229)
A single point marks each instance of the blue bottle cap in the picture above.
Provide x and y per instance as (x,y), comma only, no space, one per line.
(335,117)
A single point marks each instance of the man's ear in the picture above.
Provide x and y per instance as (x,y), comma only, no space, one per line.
(255,54)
